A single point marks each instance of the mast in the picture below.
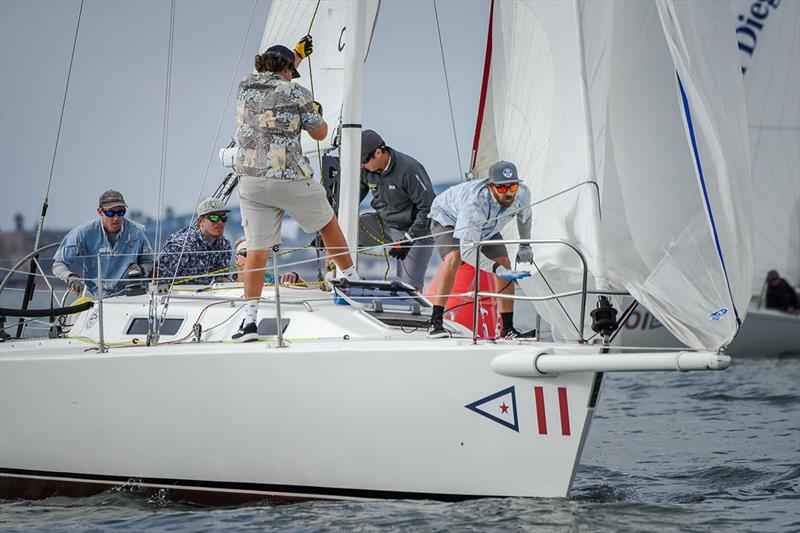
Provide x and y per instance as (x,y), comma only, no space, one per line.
(599,262)
(349,192)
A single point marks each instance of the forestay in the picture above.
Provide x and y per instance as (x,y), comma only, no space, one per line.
(667,123)
(290,20)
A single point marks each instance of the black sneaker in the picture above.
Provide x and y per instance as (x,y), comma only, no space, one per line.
(248,333)
(514,333)
(436,331)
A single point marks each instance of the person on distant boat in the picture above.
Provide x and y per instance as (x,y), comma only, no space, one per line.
(241,256)
(274,175)
(125,251)
(199,254)
(477,211)
(781,295)
(402,195)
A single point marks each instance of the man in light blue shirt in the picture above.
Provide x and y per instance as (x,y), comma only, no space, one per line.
(477,211)
(125,251)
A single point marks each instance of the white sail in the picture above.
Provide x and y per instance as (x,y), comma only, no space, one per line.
(671,150)
(768,37)
(289,21)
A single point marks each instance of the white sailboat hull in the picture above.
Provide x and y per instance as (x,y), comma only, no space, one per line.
(328,419)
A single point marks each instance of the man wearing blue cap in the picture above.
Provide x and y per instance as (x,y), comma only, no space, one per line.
(477,211)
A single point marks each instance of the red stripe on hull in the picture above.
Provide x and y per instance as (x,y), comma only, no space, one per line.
(540,417)
(563,407)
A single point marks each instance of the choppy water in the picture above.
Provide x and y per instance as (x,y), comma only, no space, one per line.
(702,451)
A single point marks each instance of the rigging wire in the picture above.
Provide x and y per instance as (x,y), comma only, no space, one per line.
(165,125)
(211,153)
(311,82)
(154,326)
(61,117)
(449,98)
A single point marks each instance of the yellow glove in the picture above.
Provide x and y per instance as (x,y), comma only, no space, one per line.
(317,107)
(304,47)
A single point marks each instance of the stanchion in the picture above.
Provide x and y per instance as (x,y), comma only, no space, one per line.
(277,295)
(101,344)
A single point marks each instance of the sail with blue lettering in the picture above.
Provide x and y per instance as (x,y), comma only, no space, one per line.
(668,156)
(768,39)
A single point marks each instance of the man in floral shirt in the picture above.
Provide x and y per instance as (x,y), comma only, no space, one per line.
(199,249)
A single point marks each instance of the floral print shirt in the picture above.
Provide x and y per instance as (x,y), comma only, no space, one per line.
(271,112)
(199,257)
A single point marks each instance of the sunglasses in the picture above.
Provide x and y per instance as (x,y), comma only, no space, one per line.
(502,189)
(110,213)
(217,218)
(368,158)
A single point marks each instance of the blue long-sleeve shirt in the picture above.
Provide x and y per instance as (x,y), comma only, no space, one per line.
(474,213)
(79,249)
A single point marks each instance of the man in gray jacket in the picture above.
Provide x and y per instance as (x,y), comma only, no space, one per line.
(402,195)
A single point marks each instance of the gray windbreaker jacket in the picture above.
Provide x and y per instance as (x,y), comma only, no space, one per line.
(402,195)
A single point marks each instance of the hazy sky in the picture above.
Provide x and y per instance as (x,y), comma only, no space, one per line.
(111,135)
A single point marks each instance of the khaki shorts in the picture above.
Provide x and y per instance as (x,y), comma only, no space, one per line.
(263,202)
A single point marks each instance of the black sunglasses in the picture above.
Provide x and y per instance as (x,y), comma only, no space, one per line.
(217,218)
(110,213)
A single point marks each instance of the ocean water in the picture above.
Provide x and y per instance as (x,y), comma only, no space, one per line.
(667,451)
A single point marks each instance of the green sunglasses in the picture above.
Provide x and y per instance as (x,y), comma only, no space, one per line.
(217,218)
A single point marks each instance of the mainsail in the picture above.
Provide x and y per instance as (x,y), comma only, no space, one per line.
(289,20)
(768,38)
(666,115)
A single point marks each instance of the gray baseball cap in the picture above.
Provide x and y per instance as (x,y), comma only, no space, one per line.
(503,172)
(111,199)
(211,205)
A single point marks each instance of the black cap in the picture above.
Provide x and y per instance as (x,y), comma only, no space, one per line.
(288,54)
(772,274)
(370,141)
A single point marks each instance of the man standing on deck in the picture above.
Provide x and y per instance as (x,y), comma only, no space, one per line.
(123,245)
(477,211)
(199,253)
(402,195)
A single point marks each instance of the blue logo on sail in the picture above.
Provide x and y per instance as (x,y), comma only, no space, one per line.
(714,316)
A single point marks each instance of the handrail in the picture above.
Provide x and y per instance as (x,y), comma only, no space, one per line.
(477,294)
(22,261)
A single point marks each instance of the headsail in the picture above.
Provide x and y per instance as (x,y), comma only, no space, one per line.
(671,152)
(289,20)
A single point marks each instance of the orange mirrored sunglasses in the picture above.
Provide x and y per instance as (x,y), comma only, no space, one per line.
(502,189)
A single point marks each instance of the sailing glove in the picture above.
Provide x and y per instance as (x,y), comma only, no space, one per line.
(304,47)
(317,107)
(400,249)
(75,285)
(507,273)
(524,254)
